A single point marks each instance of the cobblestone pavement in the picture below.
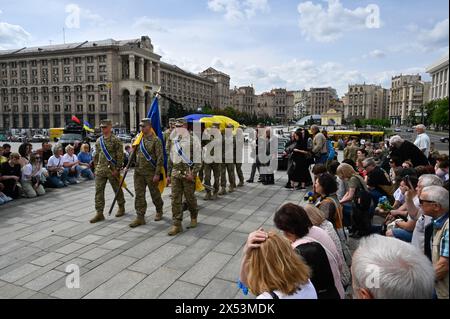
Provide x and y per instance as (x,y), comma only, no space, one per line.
(39,238)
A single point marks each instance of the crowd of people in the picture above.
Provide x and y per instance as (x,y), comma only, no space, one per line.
(27,173)
(403,256)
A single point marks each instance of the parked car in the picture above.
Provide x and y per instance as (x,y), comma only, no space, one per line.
(125,138)
(444,139)
(39,138)
(409,130)
(69,138)
(397,130)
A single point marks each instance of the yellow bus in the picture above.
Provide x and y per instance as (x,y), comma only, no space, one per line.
(55,133)
(374,136)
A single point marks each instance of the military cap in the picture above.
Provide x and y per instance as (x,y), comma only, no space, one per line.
(145,122)
(105,123)
(172,120)
(180,122)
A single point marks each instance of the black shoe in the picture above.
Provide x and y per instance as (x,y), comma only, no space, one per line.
(249,181)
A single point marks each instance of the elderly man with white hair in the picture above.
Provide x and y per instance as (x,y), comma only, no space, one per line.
(416,213)
(423,140)
(388,268)
(405,150)
(434,203)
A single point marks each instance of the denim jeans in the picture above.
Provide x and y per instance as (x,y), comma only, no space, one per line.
(376,195)
(72,177)
(87,173)
(402,234)
(55,182)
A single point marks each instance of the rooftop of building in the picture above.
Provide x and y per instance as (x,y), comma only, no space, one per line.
(440,63)
(144,43)
(174,68)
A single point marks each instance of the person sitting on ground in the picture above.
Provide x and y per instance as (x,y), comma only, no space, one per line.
(434,203)
(441,168)
(328,202)
(310,242)
(342,185)
(25,150)
(71,165)
(10,176)
(3,159)
(6,150)
(3,198)
(45,152)
(402,271)
(358,217)
(272,270)
(395,165)
(57,175)
(378,181)
(421,237)
(86,162)
(317,219)
(405,150)
(31,177)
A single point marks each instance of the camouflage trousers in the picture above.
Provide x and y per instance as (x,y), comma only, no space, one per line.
(180,187)
(239,172)
(141,182)
(224,168)
(100,184)
(215,169)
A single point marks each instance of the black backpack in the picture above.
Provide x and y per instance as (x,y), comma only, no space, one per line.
(360,210)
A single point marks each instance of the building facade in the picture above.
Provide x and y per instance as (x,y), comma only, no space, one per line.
(439,78)
(407,97)
(221,96)
(277,104)
(366,101)
(42,87)
(188,89)
(302,100)
(321,100)
(243,99)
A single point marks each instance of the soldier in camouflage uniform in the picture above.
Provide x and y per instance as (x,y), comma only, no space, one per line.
(238,163)
(183,175)
(107,170)
(213,166)
(167,132)
(227,164)
(147,173)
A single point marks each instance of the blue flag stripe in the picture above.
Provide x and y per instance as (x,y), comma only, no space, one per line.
(153,114)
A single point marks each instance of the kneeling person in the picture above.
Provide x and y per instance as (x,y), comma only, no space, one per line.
(149,162)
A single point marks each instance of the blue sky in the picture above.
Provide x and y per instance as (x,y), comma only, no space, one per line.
(267,43)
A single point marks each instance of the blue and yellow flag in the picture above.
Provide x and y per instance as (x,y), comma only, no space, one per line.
(87,127)
(153,114)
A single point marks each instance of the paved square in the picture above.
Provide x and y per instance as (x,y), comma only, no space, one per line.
(40,237)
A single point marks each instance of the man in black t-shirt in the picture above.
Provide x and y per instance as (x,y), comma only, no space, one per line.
(10,173)
(377,180)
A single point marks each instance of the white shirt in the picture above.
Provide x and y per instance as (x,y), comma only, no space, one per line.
(306,291)
(423,143)
(27,172)
(55,162)
(399,196)
(69,159)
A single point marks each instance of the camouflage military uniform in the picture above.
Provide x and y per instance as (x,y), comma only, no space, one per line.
(180,185)
(211,167)
(227,167)
(103,171)
(144,173)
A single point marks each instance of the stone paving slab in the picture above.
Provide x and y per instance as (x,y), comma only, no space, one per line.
(36,245)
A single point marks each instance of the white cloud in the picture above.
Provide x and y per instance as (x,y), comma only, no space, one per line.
(235,10)
(436,37)
(146,24)
(330,23)
(12,35)
(375,54)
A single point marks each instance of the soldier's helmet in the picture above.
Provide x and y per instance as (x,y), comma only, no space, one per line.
(145,122)
(105,123)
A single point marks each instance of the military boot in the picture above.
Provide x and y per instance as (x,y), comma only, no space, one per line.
(140,220)
(208,196)
(241,183)
(231,189)
(120,211)
(222,191)
(176,229)
(98,218)
(158,216)
(193,221)
(214,196)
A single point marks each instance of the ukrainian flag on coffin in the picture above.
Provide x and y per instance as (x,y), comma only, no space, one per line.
(153,114)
